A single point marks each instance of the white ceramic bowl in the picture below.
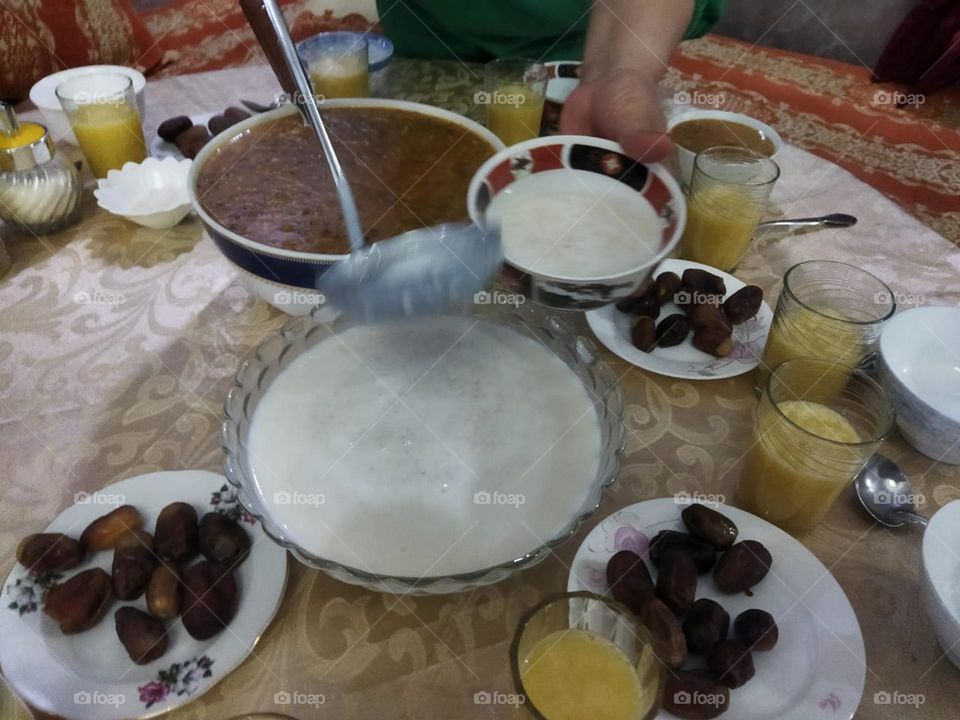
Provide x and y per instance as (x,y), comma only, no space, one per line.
(43,94)
(920,369)
(940,578)
(152,193)
(684,158)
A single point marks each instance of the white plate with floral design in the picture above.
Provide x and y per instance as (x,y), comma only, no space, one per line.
(89,675)
(612,328)
(818,666)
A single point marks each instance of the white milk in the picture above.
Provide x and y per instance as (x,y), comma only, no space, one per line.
(575,225)
(398,485)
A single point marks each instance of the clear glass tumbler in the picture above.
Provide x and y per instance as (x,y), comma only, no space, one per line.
(514,91)
(728,193)
(818,423)
(339,64)
(827,310)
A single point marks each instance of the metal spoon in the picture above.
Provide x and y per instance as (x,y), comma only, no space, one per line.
(886,493)
(834,220)
(258,108)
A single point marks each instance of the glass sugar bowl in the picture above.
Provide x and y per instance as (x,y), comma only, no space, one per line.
(39,190)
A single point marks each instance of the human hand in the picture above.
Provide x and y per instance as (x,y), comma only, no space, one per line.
(622,106)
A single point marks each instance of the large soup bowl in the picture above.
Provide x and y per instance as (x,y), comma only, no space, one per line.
(287,279)
(299,335)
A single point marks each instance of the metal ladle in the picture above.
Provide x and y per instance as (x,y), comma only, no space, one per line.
(886,493)
(421,271)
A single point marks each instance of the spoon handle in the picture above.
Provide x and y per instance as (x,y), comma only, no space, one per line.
(835,220)
(915,518)
(270,28)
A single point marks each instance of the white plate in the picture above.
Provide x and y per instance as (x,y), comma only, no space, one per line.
(818,666)
(612,328)
(89,675)
(161,148)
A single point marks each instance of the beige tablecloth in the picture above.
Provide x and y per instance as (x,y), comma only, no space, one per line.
(95,391)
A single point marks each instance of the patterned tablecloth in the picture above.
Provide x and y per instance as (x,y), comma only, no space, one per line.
(118,344)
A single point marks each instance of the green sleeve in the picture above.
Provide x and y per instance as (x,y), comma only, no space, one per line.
(481,30)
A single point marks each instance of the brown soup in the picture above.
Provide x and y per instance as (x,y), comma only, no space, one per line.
(698,135)
(406,169)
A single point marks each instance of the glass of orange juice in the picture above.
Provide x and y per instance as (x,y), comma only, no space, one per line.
(818,423)
(102,110)
(728,192)
(514,91)
(339,64)
(579,655)
(827,310)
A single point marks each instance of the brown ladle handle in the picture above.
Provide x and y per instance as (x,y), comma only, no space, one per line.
(259,21)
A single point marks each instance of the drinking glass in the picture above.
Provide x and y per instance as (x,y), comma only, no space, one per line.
(339,64)
(728,192)
(611,623)
(514,90)
(102,110)
(827,310)
(818,423)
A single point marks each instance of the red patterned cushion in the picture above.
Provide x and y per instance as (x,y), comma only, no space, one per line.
(37,38)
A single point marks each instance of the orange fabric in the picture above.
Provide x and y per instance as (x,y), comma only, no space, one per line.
(39,38)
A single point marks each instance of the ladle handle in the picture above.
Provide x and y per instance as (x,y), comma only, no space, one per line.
(270,29)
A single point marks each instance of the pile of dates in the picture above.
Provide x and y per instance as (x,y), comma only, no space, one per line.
(681,625)
(707,312)
(160,566)
(190,138)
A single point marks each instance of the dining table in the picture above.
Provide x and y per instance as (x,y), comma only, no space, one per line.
(118,345)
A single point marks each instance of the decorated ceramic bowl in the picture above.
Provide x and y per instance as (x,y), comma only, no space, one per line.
(650,214)
(562,77)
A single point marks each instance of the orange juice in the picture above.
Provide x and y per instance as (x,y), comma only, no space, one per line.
(790,476)
(110,134)
(28,134)
(513,113)
(335,77)
(721,220)
(577,674)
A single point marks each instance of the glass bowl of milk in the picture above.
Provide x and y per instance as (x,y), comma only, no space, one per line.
(582,224)
(428,455)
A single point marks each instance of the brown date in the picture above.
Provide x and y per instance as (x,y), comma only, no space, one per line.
(756,629)
(743,304)
(710,526)
(133,562)
(163,592)
(177,532)
(80,602)
(702,553)
(677,580)
(143,636)
(209,599)
(170,128)
(49,552)
(742,566)
(222,540)
(643,305)
(731,663)
(234,114)
(672,330)
(705,315)
(192,140)
(715,340)
(704,281)
(629,579)
(669,644)
(107,530)
(692,696)
(706,624)
(217,124)
(643,334)
(666,286)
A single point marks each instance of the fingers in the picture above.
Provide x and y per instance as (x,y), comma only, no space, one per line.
(575,118)
(646,146)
